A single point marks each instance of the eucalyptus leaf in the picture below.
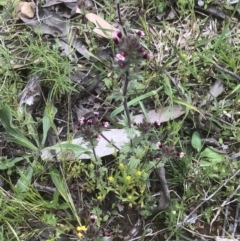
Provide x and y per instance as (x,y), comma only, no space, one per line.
(79,146)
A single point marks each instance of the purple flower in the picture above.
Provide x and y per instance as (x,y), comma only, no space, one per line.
(117,33)
(147,56)
(105,124)
(119,57)
(180,154)
(105,233)
(157,122)
(159,144)
(82,120)
(140,33)
(116,41)
(93,218)
(89,122)
(96,113)
(121,64)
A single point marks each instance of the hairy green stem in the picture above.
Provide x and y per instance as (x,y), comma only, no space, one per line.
(125,99)
(94,153)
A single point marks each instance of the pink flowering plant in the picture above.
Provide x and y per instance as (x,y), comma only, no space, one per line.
(143,155)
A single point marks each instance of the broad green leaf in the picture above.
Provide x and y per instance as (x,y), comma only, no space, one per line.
(196,141)
(16,135)
(211,155)
(205,163)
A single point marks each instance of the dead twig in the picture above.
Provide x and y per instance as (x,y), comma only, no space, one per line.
(227,71)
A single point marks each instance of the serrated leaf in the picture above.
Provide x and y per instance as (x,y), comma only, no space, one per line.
(133,162)
(196,141)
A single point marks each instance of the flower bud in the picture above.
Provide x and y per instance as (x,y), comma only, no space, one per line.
(157,123)
(159,144)
(119,57)
(93,218)
(147,56)
(180,154)
(140,33)
(96,114)
(118,33)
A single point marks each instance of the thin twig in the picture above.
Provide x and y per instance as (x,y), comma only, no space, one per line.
(37,12)
(236,220)
(120,19)
(178,86)
(105,138)
(224,204)
(227,71)
(93,149)
(44,188)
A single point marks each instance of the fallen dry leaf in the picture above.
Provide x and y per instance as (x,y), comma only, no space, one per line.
(162,115)
(117,136)
(25,9)
(103,28)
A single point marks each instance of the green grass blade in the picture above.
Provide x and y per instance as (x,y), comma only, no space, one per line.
(132,102)
(17,135)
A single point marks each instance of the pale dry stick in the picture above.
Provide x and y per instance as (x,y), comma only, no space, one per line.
(236,220)
(222,205)
(207,199)
(105,138)
(37,12)
(227,71)
(42,188)
(225,221)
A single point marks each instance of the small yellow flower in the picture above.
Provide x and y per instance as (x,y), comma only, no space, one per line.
(99,197)
(128,178)
(81,228)
(110,179)
(139,173)
(129,197)
(121,166)
(79,235)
